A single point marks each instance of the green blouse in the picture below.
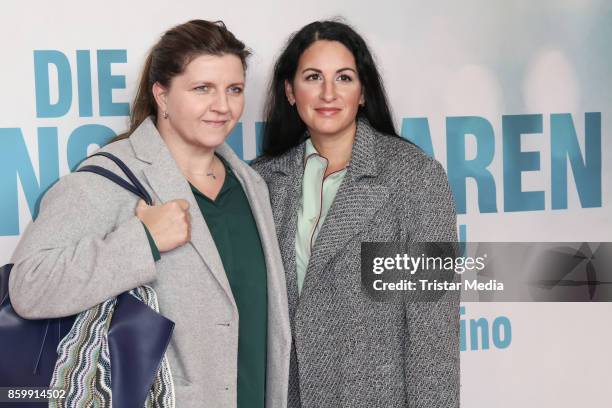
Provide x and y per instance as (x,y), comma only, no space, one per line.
(233,228)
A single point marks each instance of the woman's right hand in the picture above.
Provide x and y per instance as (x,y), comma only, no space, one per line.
(169,224)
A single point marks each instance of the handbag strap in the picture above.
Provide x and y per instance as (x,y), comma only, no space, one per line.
(135,186)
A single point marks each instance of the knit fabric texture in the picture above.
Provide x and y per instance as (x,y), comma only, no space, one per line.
(83,367)
(349,350)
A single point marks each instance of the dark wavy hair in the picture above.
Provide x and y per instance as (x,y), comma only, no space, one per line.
(171,55)
(283,127)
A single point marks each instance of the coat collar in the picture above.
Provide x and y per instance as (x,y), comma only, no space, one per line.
(358,198)
(363,157)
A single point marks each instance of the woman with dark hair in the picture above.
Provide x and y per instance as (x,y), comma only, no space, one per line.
(339,175)
(207,245)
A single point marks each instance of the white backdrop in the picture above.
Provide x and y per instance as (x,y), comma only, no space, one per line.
(449,59)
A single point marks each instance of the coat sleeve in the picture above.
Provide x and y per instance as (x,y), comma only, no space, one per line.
(75,254)
(432,352)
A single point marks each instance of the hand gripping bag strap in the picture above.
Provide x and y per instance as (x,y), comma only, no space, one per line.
(101,367)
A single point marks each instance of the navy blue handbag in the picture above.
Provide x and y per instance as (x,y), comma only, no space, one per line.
(138,336)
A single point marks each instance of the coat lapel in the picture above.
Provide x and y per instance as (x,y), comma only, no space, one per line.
(357,200)
(286,190)
(168,183)
(254,188)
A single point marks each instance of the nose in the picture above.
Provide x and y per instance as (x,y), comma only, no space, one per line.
(220,103)
(328,91)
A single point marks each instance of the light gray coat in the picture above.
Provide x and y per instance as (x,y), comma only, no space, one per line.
(350,351)
(86,246)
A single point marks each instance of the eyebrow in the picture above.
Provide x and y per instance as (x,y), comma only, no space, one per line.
(209,83)
(320,72)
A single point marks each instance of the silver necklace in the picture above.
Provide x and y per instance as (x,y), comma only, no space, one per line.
(209,173)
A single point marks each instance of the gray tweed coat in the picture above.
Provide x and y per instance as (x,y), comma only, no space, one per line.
(348,350)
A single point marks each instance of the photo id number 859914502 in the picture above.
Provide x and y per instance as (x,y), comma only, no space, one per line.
(30,394)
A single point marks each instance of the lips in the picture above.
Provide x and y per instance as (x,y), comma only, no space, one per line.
(215,123)
(327,111)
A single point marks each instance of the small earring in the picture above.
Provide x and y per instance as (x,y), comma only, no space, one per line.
(291,102)
(165,115)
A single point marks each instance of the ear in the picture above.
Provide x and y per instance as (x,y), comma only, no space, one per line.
(289,92)
(362,98)
(160,93)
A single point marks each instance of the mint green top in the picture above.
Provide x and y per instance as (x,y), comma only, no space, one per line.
(318,193)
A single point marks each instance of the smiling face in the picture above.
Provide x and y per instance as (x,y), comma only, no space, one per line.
(204,103)
(326,89)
